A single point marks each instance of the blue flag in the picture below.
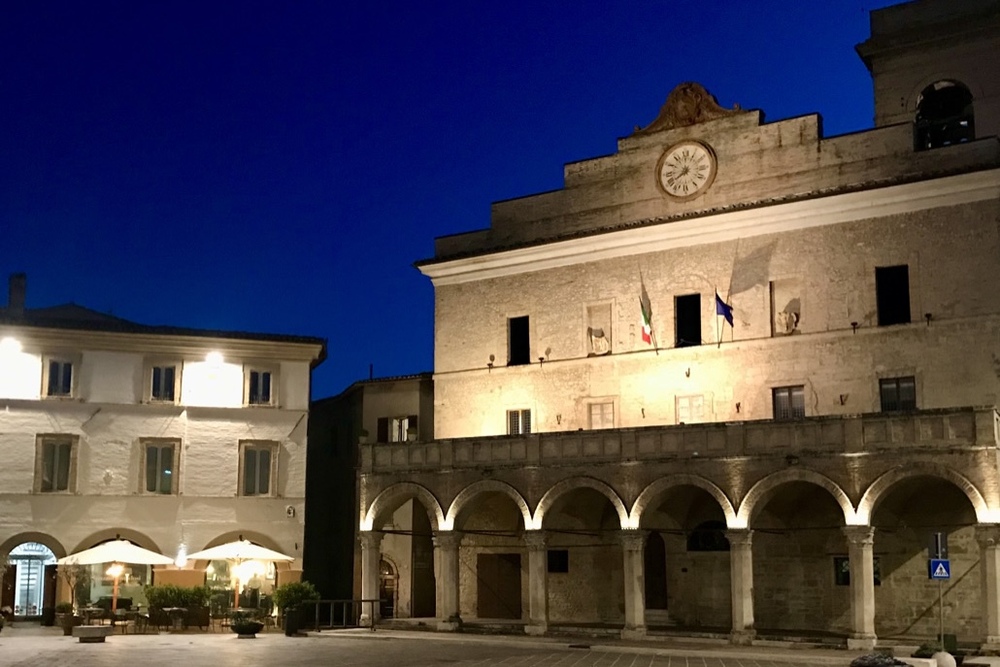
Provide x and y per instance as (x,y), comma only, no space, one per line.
(724,309)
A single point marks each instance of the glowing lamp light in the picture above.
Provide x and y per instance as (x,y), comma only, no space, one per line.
(10,345)
(214,358)
(115,570)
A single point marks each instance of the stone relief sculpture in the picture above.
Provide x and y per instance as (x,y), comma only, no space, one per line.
(786,321)
(687,104)
(599,343)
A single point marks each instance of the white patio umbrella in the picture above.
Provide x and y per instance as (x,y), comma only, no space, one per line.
(239,551)
(117,552)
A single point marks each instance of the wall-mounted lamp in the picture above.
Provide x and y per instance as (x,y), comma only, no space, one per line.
(854,327)
(738,406)
(559,418)
(489,364)
(541,360)
(687,373)
(843,399)
(928,317)
(643,411)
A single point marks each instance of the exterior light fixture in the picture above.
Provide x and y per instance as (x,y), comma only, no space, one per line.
(214,357)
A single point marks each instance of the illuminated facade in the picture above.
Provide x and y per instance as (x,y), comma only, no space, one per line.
(176,439)
(612,449)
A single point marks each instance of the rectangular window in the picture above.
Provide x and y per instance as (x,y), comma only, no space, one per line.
(382,430)
(401,427)
(518,422)
(687,320)
(259,387)
(842,570)
(558,561)
(59,381)
(161,466)
(892,294)
(518,341)
(690,409)
(257,468)
(789,402)
(898,394)
(602,415)
(55,464)
(163,386)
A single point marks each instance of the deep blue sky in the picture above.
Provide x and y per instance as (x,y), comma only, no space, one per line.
(279,166)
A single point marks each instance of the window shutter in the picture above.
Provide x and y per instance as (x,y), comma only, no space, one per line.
(411,422)
(525,421)
(383,430)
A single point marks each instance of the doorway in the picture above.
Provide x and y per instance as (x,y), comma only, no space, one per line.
(655,571)
(498,585)
(387,581)
(33,580)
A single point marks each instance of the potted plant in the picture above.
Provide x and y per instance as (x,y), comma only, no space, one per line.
(288,598)
(66,618)
(244,626)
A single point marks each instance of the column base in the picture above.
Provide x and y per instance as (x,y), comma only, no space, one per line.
(450,624)
(536,629)
(742,637)
(634,633)
(861,642)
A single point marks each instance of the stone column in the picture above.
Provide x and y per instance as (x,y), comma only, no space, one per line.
(860,540)
(632,542)
(988,536)
(538,587)
(370,557)
(446,557)
(741,575)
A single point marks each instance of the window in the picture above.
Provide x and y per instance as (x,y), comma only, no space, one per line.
(687,314)
(842,570)
(599,330)
(786,306)
(789,402)
(518,345)
(892,294)
(558,561)
(518,422)
(160,464)
(602,415)
(257,468)
(259,387)
(944,116)
(898,394)
(58,377)
(395,429)
(55,464)
(690,409)
(163,383)
(708,536)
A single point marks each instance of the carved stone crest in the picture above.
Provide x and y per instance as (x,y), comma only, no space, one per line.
(687,104)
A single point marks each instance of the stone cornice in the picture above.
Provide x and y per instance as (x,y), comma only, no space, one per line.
(722,227)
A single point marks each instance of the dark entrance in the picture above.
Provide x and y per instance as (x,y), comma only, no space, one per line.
(655,571)
(386,590)
(9,582)
(499,585)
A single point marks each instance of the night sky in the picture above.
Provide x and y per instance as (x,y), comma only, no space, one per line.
(279,166)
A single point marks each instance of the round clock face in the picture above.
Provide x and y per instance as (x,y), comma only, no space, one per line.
(686,170)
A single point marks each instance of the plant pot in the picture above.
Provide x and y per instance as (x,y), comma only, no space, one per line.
(67,622)
(293,621)
(247,629)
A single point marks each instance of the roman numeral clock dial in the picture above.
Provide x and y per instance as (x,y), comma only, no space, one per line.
(686,169)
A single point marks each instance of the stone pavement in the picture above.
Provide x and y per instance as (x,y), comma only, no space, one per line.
(31,646)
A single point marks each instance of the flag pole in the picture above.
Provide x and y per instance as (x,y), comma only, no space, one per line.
(718,326)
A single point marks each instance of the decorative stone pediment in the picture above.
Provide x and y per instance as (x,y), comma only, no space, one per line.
(687,104)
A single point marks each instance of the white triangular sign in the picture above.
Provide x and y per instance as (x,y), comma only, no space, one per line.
(941,571)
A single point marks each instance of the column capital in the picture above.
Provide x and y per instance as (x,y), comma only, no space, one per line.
(535,540)
(448,539)
(632,539)
(370,539)
(739,537)
(988,535)
(861,536)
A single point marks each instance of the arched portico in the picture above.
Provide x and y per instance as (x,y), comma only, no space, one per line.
(877,490)
(760,492)
(664,484)
(567,485)
(468,495)
(395,495)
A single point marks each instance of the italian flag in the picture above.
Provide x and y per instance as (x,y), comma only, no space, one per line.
(647,316)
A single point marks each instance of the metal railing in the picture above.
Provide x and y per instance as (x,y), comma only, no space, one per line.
(330,614)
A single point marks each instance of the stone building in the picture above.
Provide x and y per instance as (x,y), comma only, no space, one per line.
(734,376)
(176,439)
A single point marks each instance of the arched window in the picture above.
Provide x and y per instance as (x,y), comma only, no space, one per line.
(944,116)
(708,536)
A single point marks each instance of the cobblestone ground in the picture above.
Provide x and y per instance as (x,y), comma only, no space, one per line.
(47,649)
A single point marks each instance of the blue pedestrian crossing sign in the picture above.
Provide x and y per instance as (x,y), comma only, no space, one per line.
(940,568)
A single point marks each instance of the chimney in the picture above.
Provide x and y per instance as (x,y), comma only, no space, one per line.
(15,298)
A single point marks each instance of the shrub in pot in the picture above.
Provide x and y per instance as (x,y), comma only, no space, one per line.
(244,626)
(66,618)
(288,598)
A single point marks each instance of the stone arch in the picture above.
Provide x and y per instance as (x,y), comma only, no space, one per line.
(133,536)
(877,490)
(466,495)
(967,79)
(405,490)
(54,545)
(572,483)
(764,488)
(684,479)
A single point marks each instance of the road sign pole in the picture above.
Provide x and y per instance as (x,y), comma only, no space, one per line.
(941,612)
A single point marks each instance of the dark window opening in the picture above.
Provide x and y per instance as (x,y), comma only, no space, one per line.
(944,116)
(382,430)
(60,378)
(892,294)
(163,383)
(789,402)
(708,536)
(558,561)
(518,346)
(898,394)
(260,388)
(842,570)
(518,422)
(687,311)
